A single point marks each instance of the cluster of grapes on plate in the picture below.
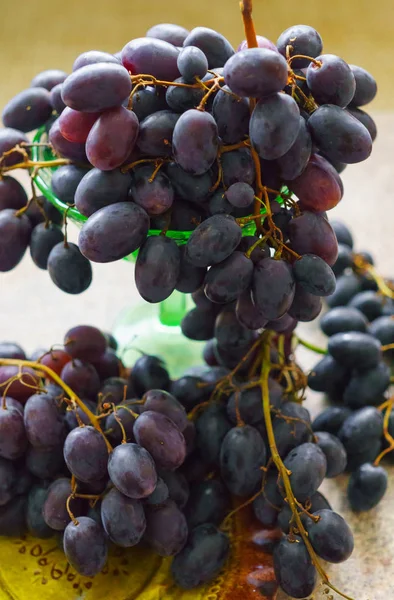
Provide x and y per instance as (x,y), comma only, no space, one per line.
(97,454)
(181,133)
(356,373)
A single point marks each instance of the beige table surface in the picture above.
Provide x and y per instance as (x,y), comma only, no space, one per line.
(33,312)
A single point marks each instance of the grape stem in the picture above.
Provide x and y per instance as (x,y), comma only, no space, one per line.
(39,164)
(73,398)
(283,472)
(309,345)
(388,405)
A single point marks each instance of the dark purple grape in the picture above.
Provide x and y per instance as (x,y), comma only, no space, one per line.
(54,510)
(8,479)
(242,455)
(148,100)
(149,373)
(113,390)
(366,87)
(43,239)
(11,350)
(82,378)
(225,281)
(45,463)
(65,148)
(331,420)
(256,72)
(177,485)
(85,342)
(294,161)
(86,454)
(314,275)
(383,329)
(91,57)
(56,98)
(213,241)
(215,47)
(344,260)
(43,421)
(190,277)
(162,438)
(69,269)
(284,324)
(96,87)
(334,452)
(289,433)
(308,466)
(48,79)
(218,204)
(319,187)
(328,376)
(195,141)
(153,56)
(189,187)
(238,165)
(330,536)
(180,99)
(13,439)
(348,285)
(108,365)
(361,428)
(311,233)
(9,138)
(166,529)
(168,32)
(156,132)
(12,193)
(98,189)
(355,349)
(274,125)
(28,110)
(113,430)
(273,287)
(342,232)
(340,135)
(85,546)
(332,81)
(240,195)
(132,471)
(188,390)
(154,196)
(157,268)
(15,232)
(294,569)
(159,494)
(163,402)
(248,314)
(302,39)
(208,503)
(249,405)
(192,63)
(367,486)
(265,512)
(34,519)
(65,181)
(262,42)
(230,333)
(366,120)
(202,558)
(113,232)
(123,519)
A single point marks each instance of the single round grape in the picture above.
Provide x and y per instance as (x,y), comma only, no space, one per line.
(248,314)
(190,277)
(166,528)
(366,87)
(113,431)
(225,281)
(108,365)
(96,87)
(367,486)
(55,360)
(153,56)
(231,115)
(48,79)
(367,454)
(82,378)
(340,135)
(97,189)
(132,471)
(366,120)
(12,193)
(274,125)
(195,141)
(180,98)
(302,39)
(75,125)
(238,165)
(13,439)
(157,268)
(292,433)
(240,195)
(370,303)
(202,558)
(334,452)
(328,375)
(156,133)
(266,513)
(86,454)
(113,232)
(43,239)
(208,503)
(273,287)
(159,495)
(69,269)
(43,421)
(114,390)
(294,569)
(15,232)
(285,324)
(262,42)
(330,536)
(63,147)
(163,402)
(188,390)
(28,110)
(148,100)
(213,241)
(355,349)
(229,333)
(294,161)
(85,546)
(256,72)
(45,463)
(319,187)
(383,329)
(168,32)
(148,373)
(311,233)
(192,63)
(331,419)
(9,138)
(348,285)
(308,466)
(34,519)
(65,181)
(361,428)
(189,187)
(154,196)
(11,350)
(54,510)
(248,403)
(314,275)
(85,342)
(242,455)
(343,318)
(215,46)
(91,57)
(332,81)
(56,99)
(177,485)
(161,437)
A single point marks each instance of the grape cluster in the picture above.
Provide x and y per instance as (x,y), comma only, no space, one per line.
(356,373)
(101,455)
(179,132)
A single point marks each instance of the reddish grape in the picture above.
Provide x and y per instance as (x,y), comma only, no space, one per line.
(319,187)
(75,125)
